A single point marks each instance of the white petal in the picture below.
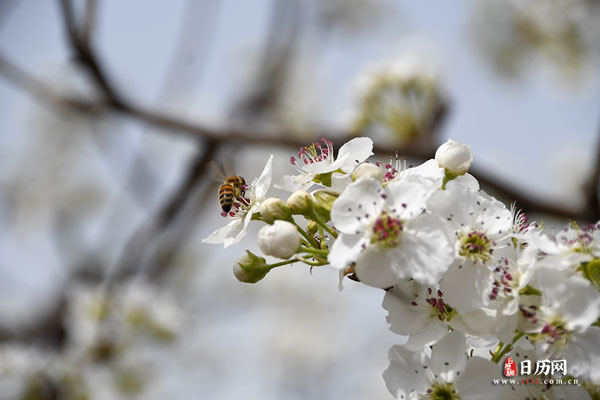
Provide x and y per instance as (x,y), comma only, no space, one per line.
(240,231)
(354,152)
(432,333)
(325,166)
(449,355)
(262,184)
(345,250)
(467,181)
(373,268)
(454,206)
(476,380)
(481,322)
(424,252)
(358,206)
(577,300)
(409,196)
(428,170)
(291,183)
(583,354)
(405,373)
(221,234)
(492,215)
(466,286)
(339,182)
(404,318)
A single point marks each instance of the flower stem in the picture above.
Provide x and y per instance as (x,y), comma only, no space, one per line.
(308,237)
(320,222)
(311,263)
(279,264)
(509,346)
(317,252)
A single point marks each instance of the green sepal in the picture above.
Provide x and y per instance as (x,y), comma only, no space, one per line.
(325,198)
(323,179)
(591,271)
(529,291)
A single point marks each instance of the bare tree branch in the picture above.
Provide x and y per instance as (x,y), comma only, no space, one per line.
(420,150)
(593,185)
(91,8)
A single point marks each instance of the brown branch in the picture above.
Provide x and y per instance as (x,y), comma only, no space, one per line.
(593,186)
(418,150)
(86,56)
(421,150)
(91,8)
(169,212)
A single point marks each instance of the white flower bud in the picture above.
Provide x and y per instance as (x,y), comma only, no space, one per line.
(369,171)
(273,209)
(300,202)
(280,240)
(454,157)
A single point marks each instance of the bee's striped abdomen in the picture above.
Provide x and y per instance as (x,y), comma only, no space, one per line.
(226,194)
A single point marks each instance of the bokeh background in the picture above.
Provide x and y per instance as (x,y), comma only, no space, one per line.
(110,112)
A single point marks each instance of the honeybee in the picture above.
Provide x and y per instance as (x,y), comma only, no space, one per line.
(232,186)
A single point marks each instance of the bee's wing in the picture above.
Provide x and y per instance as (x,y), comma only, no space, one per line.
(216,171)
(229,169)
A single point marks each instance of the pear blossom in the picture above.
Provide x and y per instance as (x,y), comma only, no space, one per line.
(571,246)
(430,170)
(569,307)
(279,240)
(243,209)
(481,226)
(465,277)
(420,312)
(397,98)
(314,162)
(385,236)
(445,374)
(512,274)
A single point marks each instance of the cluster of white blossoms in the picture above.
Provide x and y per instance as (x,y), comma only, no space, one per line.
(113,349)
(468,281)
(397,98)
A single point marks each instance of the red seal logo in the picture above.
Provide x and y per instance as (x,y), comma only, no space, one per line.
(510,368)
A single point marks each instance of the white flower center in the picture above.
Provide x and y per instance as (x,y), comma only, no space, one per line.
(475,246)
(386,231)
(441,391)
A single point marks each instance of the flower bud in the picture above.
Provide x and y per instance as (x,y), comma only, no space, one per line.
(454,157)
(273,209)
(368,170)
(300,202)
(312,227)
(280,240)
(324,198)
(250,268)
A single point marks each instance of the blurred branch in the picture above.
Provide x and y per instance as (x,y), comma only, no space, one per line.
(89,24)
(593,185)
(40,91)
(115,102)
(169,212)
(86,56)
(420,150)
